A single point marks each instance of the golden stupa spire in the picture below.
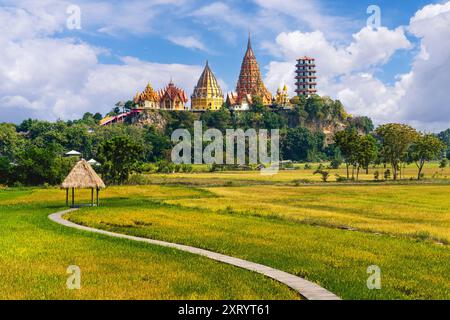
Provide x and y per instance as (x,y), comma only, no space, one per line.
(207,93)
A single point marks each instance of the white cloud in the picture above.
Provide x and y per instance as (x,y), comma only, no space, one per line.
(189,42)
(343,72)
(309,14)
(428,99)
(47,77)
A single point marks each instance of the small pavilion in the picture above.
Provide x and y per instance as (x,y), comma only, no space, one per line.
(82,176)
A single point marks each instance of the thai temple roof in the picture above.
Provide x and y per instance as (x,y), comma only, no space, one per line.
(250,79)
(147,95)
(172,92)
(207,85)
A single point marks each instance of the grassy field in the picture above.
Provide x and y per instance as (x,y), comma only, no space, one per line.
(307,231)
(294,177)
(327,233)
(35,253)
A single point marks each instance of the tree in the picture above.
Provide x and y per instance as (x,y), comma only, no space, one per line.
(366,152)
(37,165)
(161,145)
(324,174)
(348,141)
(119,156)
(220,119)
(97,117)
(10,141)
(300,144)
(364,124)
(445,138)
(395,142)
(426,148)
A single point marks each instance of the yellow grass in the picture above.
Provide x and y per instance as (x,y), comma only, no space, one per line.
(410,210)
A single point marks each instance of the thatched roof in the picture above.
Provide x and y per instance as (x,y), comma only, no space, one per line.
(83,176)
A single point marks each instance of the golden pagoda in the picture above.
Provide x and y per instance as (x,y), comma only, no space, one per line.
(207,94)
(148,99)
(250,81)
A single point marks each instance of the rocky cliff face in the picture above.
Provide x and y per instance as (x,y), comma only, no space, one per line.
(153,118)
(159,119)
(328,128)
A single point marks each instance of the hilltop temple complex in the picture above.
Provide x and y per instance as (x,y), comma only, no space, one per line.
(169,98)
(208,95)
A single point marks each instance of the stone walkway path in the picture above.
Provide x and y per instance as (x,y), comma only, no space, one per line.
(307,289)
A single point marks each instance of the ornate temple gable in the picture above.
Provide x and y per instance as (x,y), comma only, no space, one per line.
(207,94)
(250,79)
(148,99)
(172,98)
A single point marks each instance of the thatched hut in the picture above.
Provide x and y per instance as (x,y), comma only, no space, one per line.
(82,176)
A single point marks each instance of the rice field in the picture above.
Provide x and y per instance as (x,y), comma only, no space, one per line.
(295,176)
(35,254)
(329,235)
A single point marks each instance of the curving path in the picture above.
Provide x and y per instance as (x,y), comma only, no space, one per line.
(307,289)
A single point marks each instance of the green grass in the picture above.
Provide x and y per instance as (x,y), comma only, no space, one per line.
(233,221)
(35,253)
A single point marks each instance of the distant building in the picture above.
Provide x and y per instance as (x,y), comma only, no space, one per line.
(306,77)
(207,93)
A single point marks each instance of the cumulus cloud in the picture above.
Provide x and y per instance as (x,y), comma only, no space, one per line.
(189,42)
(419,97)
(344,72)
(53,77)
(427,100)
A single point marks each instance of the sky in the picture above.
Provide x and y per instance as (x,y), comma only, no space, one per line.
(60,59)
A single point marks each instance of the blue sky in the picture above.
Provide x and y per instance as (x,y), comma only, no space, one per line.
(52,72)
(225,55)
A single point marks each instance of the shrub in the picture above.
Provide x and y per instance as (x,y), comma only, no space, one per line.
(376,175)
(340,178)
(387,174)
(308,166)
(325,174)
(335,164)
(443,163)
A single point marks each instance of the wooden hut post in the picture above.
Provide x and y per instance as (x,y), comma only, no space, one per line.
(73,197)
(92,197)
(97,196)
(67,197)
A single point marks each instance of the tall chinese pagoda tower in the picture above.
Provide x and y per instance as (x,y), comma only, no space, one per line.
(250,81)
(306,77)
(207,94)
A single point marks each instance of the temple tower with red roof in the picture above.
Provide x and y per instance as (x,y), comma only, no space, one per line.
(250,81)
